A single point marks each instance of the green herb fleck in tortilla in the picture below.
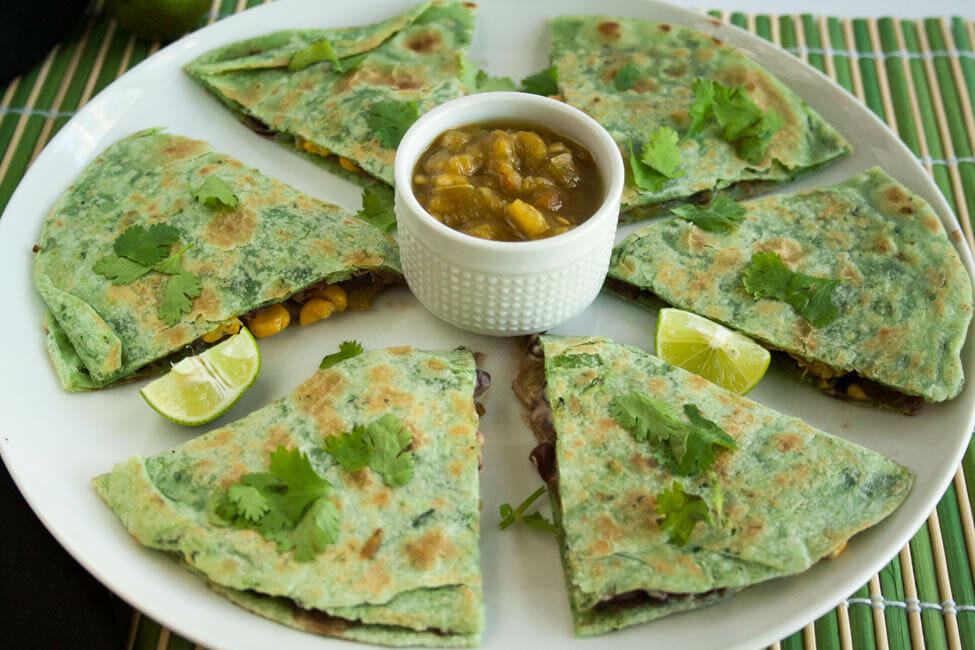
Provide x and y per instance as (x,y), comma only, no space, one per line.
(721,215)
(390,119)
(626,77)
(767,276)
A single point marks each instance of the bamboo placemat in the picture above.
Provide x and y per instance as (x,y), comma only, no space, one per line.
(918,76)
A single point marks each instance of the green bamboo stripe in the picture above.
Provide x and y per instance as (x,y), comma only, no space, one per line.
(922,559)
(968,466)
(34,124)
(959,573)
(147,634)
(763,27)
(810,30)
(861,623)
(793,642)
(738,19)
(897,80)
(827,631)
(8,123)
(841,62)
(952,104)
(928,119)
(892,588)
(177,642)
(963,42)
(787,32)
(871,85)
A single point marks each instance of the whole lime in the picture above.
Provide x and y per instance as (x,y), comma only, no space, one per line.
(161,20)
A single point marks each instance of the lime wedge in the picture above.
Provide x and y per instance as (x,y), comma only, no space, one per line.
(713,351)
(201,388)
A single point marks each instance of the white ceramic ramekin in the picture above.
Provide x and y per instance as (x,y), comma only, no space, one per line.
(506,288)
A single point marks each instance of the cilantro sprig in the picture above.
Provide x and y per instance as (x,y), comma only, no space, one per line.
(214,192)
(315,53)
(655,161)
(140,250)
(391,119)
(686,447)
(479,81)
(377,207)
(767,276)
(534,519)
(680,512)
(384,446)
(347,350)
(723,214)
(741,120)
(545,82)
(288,505)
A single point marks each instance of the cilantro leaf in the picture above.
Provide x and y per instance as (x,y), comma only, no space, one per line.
(485,83)
(120,270)
(390,119)
(349,63)
(660,151)
(721,215)
(214,192)
(741,120)
(176,297)
(172,264)
(315,53)
(389,442)
(686,447)
(535,519)
(626,77)
(250,502)
(349,449)
(767,276)
(377,207)
(146,245)
(699,444)
(655,161)
(316,530)
(680,513)
(545,82)
(701,109)
(304,485)
(347,350)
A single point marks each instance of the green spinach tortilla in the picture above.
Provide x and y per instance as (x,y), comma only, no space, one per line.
(904,301)
(789,494)
(405,567)
(275,243)
(589,51)
(413,57)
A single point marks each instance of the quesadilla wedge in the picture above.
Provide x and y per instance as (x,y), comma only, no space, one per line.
(902,298)
(769,498)
(396,562)
(377,77)
(634,76)
(204,264)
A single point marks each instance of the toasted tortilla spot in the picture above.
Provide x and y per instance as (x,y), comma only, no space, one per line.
(725,259)
(788,249)
(705,54)
(956,236)
(181,149)
(424,42)
(213,440)
(207,305)
(427,549)
(643,463)
(382,374)
(316,396)
(382,398)
(699,383)
(382,498)
(788,442)
(883,244)
(693,240)
(277,436)
(371,546)
(931,222)
(456,469)
(599,548)
(229,229)
(609,29)
(362,478)
(436,364)
(377,577)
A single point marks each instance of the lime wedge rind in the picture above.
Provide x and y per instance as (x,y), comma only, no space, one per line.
(201,388)
(720,355)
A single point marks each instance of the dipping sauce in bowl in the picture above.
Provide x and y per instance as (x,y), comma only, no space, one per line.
(507,181)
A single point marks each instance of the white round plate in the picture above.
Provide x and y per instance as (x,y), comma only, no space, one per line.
(54,442)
